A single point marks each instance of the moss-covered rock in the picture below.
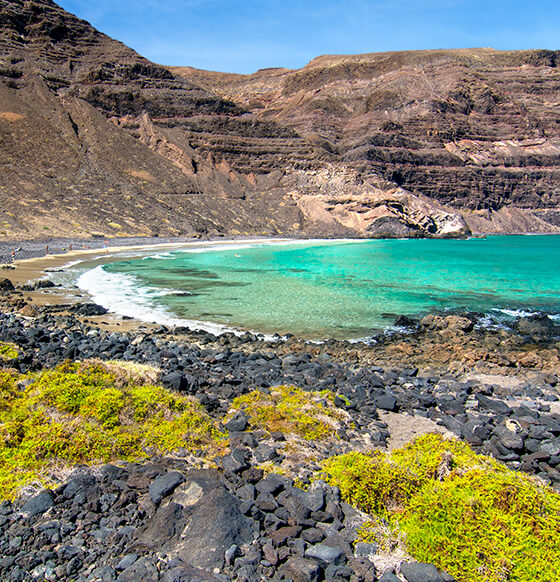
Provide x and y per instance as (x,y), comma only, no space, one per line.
(310,415)
(8,351)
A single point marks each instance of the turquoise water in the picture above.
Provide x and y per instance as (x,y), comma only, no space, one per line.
(342,289)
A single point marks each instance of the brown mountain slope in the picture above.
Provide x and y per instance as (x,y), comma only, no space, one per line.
(477,129)
(96,139)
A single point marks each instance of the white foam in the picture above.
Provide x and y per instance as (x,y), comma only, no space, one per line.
(124,295)
(490,322)
(159,256)
(516,312)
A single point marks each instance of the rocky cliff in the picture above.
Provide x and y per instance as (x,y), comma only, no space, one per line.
(475,129)
(95,139)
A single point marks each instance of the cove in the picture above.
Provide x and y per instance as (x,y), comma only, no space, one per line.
(333,289)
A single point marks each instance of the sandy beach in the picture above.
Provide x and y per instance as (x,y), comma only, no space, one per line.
(31,269)
(31,263)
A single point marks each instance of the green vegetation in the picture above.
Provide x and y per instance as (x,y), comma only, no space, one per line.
(8,351)
(84,413)
(268,467)
(8,389)
(464,512)
(311,415)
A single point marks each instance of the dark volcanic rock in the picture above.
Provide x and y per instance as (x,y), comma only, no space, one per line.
(163,485)
(143,569)
(302,570)
(538,325)
(386,401)
(492,404)
(418,572)
(236,461)
(81,488)
(165,525)
(88,309)
(124,521)
(176,381)
(214,525)
(509,438)
(325,554)
(38,504)
(239,422)
(6,285)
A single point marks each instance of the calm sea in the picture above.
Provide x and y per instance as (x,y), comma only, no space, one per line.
(341,289)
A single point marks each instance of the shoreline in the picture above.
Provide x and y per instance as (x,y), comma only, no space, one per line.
(30,271)
(34,266)
(34,269)
(496,391)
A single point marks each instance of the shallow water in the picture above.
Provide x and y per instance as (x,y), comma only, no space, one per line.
(342,289)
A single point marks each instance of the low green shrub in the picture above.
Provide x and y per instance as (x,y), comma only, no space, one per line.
(8,351)
(311,415)
(8,387)
(83,413)
(487,526)
(463,512)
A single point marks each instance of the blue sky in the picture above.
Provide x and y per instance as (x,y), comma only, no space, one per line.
(243,36)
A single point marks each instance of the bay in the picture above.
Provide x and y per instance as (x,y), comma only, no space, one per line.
(341,289)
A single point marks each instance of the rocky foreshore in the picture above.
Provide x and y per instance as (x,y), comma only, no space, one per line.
(245,516)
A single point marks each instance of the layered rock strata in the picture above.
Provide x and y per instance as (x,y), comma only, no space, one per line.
(96,140)
(475,129)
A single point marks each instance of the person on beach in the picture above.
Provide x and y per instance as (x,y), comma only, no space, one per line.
(47,250)
(13,253)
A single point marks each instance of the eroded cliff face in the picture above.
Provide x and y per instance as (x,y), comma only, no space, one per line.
(477,130)
(95,139)
(339,201)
